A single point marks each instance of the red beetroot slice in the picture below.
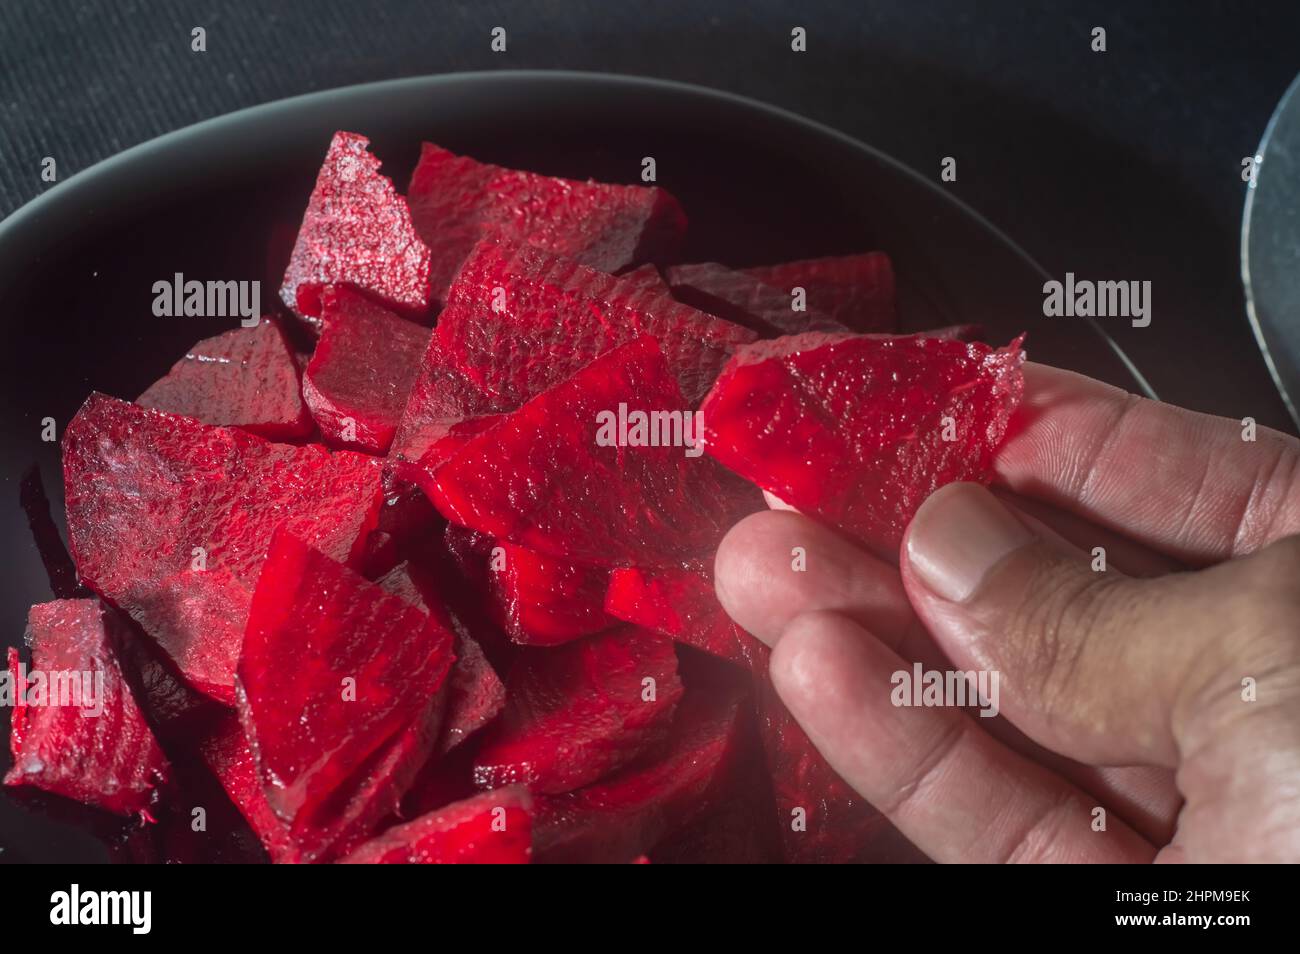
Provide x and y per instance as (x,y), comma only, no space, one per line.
(77,730)
(494,828)
(226,752)
(546,476)
(743,299)
(361,373)
(577,712)
(678,602)
(628,814)
(855,290)
(456,201)
(542,601)
(821,819)
(338,693)
(144,489)
(245,378)
(357,230)
(475,694)
(856,431)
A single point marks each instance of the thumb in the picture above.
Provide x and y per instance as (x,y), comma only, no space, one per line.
(1095,665)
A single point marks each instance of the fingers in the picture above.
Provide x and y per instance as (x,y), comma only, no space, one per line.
(774,565)
(1184,483)
(1092,664)
(955,792)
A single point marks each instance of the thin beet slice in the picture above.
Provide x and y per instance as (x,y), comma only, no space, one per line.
(356,231)
(745,300)
(456,201)
(856,431)
(820,818)
(494,828)
(678,602)
(338,693)
(227,754)
(646,276)
(170,520)
(519,320)
(475,694)
(77,729)
(361,373)
(542,601)
(577,712)
(629,813)
(855,290)
(545,478)
(245,378)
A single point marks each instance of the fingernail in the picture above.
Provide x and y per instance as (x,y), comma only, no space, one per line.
(961,533)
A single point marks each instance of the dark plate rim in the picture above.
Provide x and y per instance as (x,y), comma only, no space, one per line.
(32,216)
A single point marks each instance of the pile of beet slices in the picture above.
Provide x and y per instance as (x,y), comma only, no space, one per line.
(363,584)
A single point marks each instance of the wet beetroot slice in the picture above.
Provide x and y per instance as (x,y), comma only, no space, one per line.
(743,299)
(361,373)
(629,813)
(443,403)
(856,431)
(226,752)
(338,692)
(357,231)
(545,477)
(839,825)
(77,729)
(475,694)
(520,320)
(245,378)
(576,713)
(494,828)
(456,201)
(542,601)
(145,489)
(855,290)
(646,276)
(678,602)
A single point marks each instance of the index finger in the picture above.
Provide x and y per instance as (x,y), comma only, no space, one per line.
(1194,486)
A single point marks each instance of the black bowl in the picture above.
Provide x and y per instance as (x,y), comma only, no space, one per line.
(220,200)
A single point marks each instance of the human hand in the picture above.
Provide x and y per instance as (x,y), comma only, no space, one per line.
(1167,696)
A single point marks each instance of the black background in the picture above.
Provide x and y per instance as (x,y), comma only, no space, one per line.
(1121,165)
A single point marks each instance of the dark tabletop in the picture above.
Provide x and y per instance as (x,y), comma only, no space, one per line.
(1117,165)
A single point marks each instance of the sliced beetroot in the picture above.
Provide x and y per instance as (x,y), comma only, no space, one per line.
(646,276)
(745,300)
(456,201)
(77,729)
(338,693)
(856,431)
(356,231)
(444,402)
(170,519)
(494,828)
(551,477)
(580,711)
(520,320)
(627,814)
(678,602)
(855,290)
(820,818)
(542,601)
(361,373)
(226,752)
(475,694)
(247,378)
